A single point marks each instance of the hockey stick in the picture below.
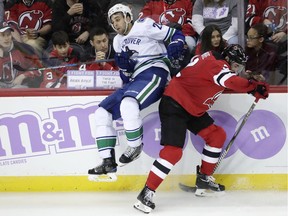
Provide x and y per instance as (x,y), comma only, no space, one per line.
(59,80)
(19,68)
(225,151)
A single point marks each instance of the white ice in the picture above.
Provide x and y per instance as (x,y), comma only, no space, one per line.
(233,203)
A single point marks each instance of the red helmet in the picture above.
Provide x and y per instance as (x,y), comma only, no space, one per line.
(28,3)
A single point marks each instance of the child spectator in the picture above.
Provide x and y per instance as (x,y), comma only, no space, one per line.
(62,53)
(101,49)
(14,53)
(210,39)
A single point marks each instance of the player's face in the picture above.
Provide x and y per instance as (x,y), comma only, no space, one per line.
(215,38)
(237,68)
(62,49)
(100,43)
(6,39)
(253,39)
(119,23)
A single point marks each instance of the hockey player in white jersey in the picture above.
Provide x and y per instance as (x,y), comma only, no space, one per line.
(144,78)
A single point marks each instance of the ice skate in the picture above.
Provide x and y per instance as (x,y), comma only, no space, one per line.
(130,155)
(144,202)
(106,171)
(206,186)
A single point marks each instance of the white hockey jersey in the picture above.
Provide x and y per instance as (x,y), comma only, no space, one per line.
(145,38)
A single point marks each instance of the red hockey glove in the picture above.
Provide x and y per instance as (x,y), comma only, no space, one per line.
(261,89)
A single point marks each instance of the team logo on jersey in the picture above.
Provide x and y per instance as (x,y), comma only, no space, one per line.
(173,16)
(278,14)
(76,27)
(210,101)
(31,19)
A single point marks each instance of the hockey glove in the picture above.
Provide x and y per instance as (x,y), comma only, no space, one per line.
(261,90)
(175,49)
(124,62)
(125,76)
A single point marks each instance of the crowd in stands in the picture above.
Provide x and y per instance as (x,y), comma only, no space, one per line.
(58,32)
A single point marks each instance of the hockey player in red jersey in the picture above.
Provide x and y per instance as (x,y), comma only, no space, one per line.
(184,106)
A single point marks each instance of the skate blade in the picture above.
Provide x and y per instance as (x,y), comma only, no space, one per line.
(109,177)
(208,193)
(124,164)
(139,206)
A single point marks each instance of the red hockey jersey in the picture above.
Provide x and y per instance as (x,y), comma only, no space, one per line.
(198,86)
(57,78)
(273,10)
(180,12)
(33,17)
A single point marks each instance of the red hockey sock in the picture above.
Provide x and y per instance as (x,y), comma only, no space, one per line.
(169,156)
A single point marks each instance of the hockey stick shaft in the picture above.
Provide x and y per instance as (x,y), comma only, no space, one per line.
(225,152)
(18,67)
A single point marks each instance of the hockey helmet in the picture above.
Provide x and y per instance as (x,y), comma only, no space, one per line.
(235,53)
(170,2)
(28,3)
(119,8)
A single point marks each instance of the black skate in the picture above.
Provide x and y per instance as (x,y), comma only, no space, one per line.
(130,155)
(144,202)
(106,171)
(206,185)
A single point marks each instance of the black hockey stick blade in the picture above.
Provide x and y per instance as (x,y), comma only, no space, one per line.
(186,188)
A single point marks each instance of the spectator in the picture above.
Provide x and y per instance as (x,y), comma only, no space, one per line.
(262,56)
(272,13)
(12,54)
(101,49)
(62,53)
(219,12)
(175,13)
(210,39)
(254,13)
(275,17)
(33,18)
(76,18)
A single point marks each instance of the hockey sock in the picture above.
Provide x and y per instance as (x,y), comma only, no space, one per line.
(132,121)
(214,137)
(105,133)
(169,156)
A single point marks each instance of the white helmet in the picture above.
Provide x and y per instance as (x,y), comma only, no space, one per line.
(119,8)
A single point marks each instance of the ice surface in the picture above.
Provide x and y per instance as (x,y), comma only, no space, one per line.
(234,203)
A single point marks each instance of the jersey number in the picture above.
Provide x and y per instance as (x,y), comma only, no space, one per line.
(159,26)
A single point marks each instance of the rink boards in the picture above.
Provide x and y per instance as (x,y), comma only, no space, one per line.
(47,143)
